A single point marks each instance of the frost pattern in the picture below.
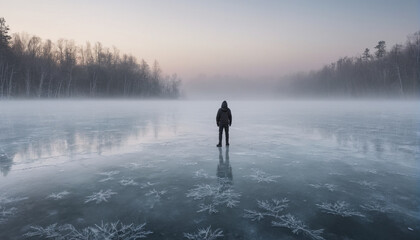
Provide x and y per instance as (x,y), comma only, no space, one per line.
(374,206)
(297,226)
(137,165)
(261,176)
(270,208)
(101,196)
(340,208)
(210,208)
(273,208)
(6,200)
(156,194)
(128,182)
(204,234)
(5,213)
(109,231)
(147,184)
(366,184)
(330,187)
(214,195)
(189,163)
(202,174)
(58,196)
(109,175)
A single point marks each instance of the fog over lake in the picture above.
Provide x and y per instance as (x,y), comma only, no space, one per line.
(294,170)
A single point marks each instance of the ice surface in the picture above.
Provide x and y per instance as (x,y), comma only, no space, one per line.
(293,169)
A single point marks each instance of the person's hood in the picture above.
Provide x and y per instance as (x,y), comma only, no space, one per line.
(224,105)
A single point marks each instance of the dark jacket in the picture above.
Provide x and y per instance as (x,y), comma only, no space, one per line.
(224,116)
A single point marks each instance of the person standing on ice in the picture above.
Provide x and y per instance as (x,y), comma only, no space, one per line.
(223,121)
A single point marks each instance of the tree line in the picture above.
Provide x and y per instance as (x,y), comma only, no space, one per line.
(382,73)
(35,68)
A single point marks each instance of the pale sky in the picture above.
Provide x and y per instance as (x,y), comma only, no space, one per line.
(239,38)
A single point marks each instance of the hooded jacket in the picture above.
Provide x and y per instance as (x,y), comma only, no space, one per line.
(224,116)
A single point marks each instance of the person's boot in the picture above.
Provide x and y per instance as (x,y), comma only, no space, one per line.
(227,144)
(219,145)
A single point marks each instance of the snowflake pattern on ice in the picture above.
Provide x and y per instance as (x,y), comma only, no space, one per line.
(210,208)
(109,231)
(270,208)
(375,206)
(261,176)
(156,194)
(58,196)
(297,226)
(5,200)
(204,234)
(214,195)
(109,175)
(147,184)
(202,174)
(330,187)
(273,208)
(101,196)
(366,184)
(137,165)
(5,213)
(340,208)
(128,182)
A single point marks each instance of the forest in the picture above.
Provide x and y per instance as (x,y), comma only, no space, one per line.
(34,68)
(383,73)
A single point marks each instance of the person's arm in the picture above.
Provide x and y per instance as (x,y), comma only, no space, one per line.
(218,117)
(230,117)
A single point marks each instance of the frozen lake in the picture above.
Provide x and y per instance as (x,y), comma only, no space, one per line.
(294,170)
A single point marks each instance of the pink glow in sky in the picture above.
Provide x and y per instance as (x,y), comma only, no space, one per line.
(238,38)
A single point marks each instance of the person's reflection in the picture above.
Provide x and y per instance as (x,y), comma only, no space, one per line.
(224,170)
(6,163)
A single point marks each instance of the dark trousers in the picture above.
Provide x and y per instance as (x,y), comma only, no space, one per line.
(226,127)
